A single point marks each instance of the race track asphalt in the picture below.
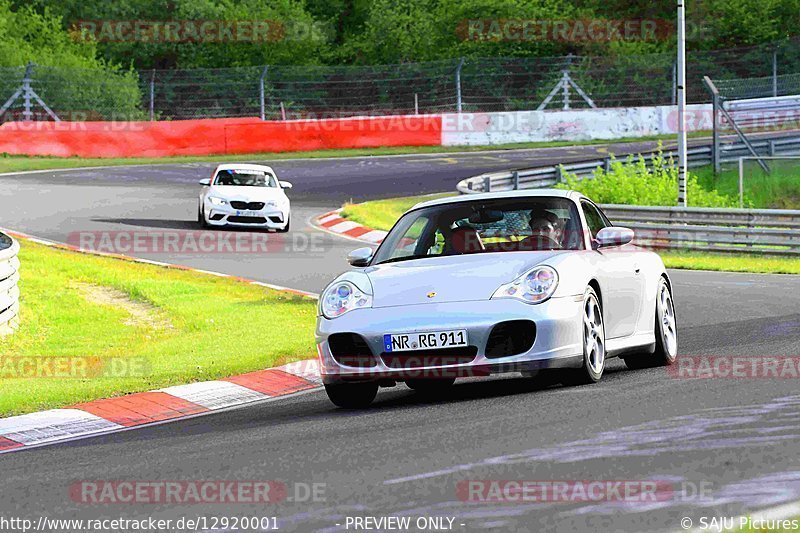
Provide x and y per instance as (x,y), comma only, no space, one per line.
(726,446)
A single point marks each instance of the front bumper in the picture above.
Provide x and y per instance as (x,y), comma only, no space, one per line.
(558,341)
(224,215)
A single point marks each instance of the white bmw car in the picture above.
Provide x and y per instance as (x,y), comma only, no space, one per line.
(525,281)
(244,195)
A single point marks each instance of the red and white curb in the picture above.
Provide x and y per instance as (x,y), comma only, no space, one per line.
(111,415)
(333,222)
(122,413)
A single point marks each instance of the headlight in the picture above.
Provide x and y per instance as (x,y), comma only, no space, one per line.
(533,287)
(342,297)
(217,201)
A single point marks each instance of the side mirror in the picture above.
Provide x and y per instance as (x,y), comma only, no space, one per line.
(285,184)
(360,257)
(205,182)
(613,236)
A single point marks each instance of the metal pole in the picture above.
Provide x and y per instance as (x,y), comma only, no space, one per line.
(152,95)
(261,92)
(416,104)
(682,201)
(775,72)
(283,112)
(458,84)
(741,182)
(27,114)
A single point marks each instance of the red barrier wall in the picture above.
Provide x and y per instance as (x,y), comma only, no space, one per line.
(215,136)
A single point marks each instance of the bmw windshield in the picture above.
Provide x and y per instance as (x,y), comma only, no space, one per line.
(245,178)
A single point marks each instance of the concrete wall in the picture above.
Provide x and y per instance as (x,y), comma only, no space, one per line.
(579,125)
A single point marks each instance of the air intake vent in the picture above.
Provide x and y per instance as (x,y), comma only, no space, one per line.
(510,338)
(350,349)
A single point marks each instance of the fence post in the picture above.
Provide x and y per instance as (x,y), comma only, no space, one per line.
(515,175)
(458,84)
(607,165)
(152,94)
(715,117)
(27,114)
(416,103)
(283,112)
(775,72)
(487,184)
(261,92)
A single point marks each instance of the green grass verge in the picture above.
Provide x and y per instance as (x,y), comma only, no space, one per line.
(14,163)
(382,214)
(180,326)
(731,262)
(780,189)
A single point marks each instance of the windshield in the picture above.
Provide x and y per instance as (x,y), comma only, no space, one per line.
(245,178)
(503,225)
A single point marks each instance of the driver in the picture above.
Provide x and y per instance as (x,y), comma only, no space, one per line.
(544,231)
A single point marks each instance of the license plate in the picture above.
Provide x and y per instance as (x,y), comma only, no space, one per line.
(408,342)
(248,213)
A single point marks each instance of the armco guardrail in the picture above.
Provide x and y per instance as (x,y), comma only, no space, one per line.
(762,231)
(533,178)
(9,278)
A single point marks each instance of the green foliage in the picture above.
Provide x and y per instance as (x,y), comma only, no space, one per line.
(632,182)
(69,77)
(397,31)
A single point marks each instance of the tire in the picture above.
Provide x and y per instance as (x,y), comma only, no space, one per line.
(666,331)
(201,219)
(593,334)
(286,227)
(430,386)
(352,395)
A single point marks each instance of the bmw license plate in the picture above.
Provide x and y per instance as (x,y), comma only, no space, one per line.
(248,213)
(424,341)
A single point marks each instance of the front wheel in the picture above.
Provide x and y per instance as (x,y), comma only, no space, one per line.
(352,395)
(201,218)
(666,331)
(594,343)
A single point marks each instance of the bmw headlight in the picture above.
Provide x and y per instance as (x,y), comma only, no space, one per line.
(217,201)
(533,287)
(342,297)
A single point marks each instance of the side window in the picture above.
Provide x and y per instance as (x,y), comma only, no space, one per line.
(594,218)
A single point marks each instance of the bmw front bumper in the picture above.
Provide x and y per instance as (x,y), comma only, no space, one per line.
(224,215)
(557,342)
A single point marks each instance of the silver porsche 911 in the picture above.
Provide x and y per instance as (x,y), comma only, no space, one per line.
(538,282)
